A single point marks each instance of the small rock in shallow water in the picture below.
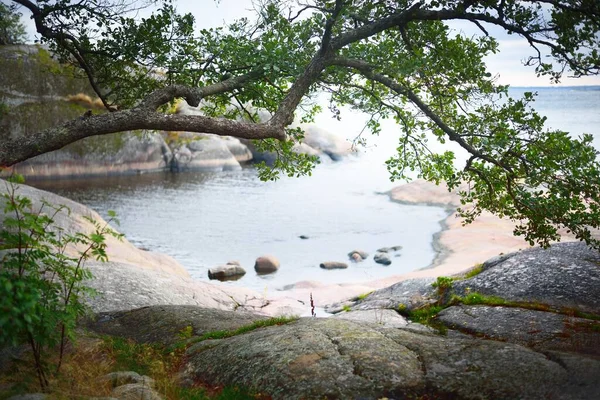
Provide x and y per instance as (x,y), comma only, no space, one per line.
(358,255)
(303,237)
(266,264)
(382,258)
(226,271)
(333,265)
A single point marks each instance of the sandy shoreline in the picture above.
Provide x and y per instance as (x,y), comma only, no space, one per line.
(458,247)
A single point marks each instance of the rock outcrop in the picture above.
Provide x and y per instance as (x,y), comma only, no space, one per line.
(203,152)
(36,92)
(135,278)
(341,359)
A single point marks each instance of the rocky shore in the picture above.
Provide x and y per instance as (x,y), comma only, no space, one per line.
(522,325)
(36,92)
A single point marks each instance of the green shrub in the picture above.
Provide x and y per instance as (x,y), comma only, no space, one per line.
(41,283)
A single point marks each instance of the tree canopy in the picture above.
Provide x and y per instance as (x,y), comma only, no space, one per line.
(12,30)
(391,59)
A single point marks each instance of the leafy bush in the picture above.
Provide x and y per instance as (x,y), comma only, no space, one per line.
(41,283)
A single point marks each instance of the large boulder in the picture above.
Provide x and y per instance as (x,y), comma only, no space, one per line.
(566,275)
(536,329)
(342,359)
(166,324)
(125,153)
(202,152)
(325,142)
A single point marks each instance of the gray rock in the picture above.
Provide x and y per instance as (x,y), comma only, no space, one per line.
(238,149)
(387,318)
(164,324)
(358,255)
(565,275)
(123,286)
(125,377)
(333,265)
(202,152)
(406,295)
(336,358)
(125,153)
(266,264)
(382,258)
(335,147)
(389,249)
(537,329)
(135,391)
(223,272)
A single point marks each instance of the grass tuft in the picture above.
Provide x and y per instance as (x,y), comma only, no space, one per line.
(247,328)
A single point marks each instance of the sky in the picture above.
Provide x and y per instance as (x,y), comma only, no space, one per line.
(507,64)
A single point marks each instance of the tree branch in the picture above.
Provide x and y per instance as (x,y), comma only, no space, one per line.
(13,151)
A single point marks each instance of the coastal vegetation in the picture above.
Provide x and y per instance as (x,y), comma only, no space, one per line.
(42,279)
(398,61)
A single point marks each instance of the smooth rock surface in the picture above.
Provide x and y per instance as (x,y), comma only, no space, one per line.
(118,251)
(225,271)
(125,287)
(203,152)
(565,275)
(382,258)
(266,264)
(163,324)
(333,265)
(407,295)
(341,359)
(387,318)
(536,329)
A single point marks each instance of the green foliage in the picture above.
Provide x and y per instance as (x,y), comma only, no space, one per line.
(346,308)
(363,295)
(162,364)
(396,61)
(12,30)
(186,332)
(443,284)
(247,328)
(41,283)
(476,270)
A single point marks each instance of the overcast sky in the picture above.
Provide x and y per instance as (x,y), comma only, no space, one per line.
(507,63)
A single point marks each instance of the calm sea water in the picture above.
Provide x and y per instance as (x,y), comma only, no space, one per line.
(204,220)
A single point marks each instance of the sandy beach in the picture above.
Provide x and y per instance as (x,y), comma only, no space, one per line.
(459,247)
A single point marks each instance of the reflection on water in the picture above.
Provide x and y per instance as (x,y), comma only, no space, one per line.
(205,219)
